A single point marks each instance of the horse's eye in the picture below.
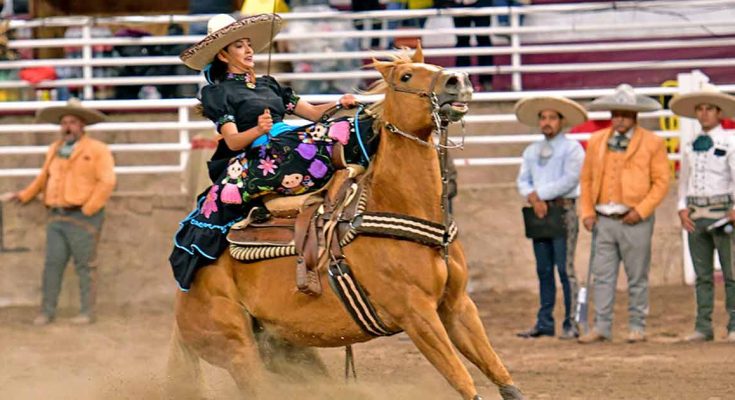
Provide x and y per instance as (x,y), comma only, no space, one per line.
(405,77)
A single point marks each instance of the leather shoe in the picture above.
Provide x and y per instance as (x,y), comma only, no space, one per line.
(593,337)
(636,336)
(569,334)
(82,319)
(534,333)
(698,337)
(42,319)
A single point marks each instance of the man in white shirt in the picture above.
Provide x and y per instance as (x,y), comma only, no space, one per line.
(706,184)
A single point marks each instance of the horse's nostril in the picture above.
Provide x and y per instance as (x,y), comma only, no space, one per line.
(452,81)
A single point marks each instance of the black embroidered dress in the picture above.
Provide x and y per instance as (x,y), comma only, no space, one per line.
(290,160)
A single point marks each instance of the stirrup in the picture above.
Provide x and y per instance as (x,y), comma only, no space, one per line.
(307,281)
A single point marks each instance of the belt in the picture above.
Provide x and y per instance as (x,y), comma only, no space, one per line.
(65,210)
(562,201)
(611,216)
(705,201)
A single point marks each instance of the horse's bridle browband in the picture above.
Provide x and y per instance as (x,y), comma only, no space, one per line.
(423,93)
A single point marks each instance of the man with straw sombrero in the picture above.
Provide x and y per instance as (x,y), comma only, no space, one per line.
(706,185)
(549,178)
(624,178)
(77,179)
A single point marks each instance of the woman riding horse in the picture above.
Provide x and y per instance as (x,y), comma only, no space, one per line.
(233,307)
(258,154)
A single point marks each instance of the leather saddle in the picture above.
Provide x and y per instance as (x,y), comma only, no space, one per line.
(309,226)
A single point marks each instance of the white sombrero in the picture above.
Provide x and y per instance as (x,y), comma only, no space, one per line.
(624,99)
(52,115)
(222,30)
(527,110)
(684,104)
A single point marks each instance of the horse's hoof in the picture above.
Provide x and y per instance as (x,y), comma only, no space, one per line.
(510,392)
(477,397)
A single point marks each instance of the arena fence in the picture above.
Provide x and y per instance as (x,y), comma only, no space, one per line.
(519,42)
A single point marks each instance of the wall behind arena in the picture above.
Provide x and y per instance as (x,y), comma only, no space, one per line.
(136,241)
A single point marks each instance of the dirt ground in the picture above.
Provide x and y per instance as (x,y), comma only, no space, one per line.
(123,356)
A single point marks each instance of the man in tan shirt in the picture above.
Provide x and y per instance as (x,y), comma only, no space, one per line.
(77,179)
(625,176)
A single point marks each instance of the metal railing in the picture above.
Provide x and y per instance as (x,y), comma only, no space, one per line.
(184,125)
(516,47)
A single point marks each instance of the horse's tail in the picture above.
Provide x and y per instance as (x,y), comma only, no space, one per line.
(184,379)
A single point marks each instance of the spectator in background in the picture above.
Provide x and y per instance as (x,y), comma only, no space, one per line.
(173,91)
(549,177)
(77,179)
(207,7)
(322,45)
(463,41)
(360,24)
(624,178)
(706,186)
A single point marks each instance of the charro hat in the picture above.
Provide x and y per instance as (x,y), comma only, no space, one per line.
(222,30)
(52,115)
(624,99)
(527,110)
(684,104)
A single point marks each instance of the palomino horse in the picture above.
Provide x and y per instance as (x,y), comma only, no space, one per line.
(409,284)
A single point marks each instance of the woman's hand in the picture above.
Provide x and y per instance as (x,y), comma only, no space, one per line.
(265,122)
(347,101)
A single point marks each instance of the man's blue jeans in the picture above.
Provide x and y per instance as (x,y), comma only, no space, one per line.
(550,253)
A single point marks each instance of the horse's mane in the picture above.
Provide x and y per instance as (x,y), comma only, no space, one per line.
(381,86)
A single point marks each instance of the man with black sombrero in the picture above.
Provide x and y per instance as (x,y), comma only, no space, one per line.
(706,185)
(624,178)
(76,179)
(549,180)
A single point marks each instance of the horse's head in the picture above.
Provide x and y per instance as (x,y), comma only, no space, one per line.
(414,90)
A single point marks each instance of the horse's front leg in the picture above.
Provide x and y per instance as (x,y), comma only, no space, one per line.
(426,331)
(462,322)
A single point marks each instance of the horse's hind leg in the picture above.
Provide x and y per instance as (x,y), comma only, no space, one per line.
(214,323)
(462,321)
(294,362)
(184,374)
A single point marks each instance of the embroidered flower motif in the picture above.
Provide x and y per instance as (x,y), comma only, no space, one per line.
(340,131)
(291,102)
(307,151)
(318,169)
(223,120)
(210,204)
(268,166)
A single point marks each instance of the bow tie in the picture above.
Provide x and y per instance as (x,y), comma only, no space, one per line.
(702,143)
(618,142)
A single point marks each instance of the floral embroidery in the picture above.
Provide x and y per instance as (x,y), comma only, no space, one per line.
(291,103)
(307,151)
(318,169)
(247,78)
(340,131)
(210,204)
(223,120)
(268,166)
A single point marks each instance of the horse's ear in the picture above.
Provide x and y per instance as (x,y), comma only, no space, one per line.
(418,55)
(382,66)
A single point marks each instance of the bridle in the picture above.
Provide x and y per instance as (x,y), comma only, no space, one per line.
(440,123)
(440,127)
